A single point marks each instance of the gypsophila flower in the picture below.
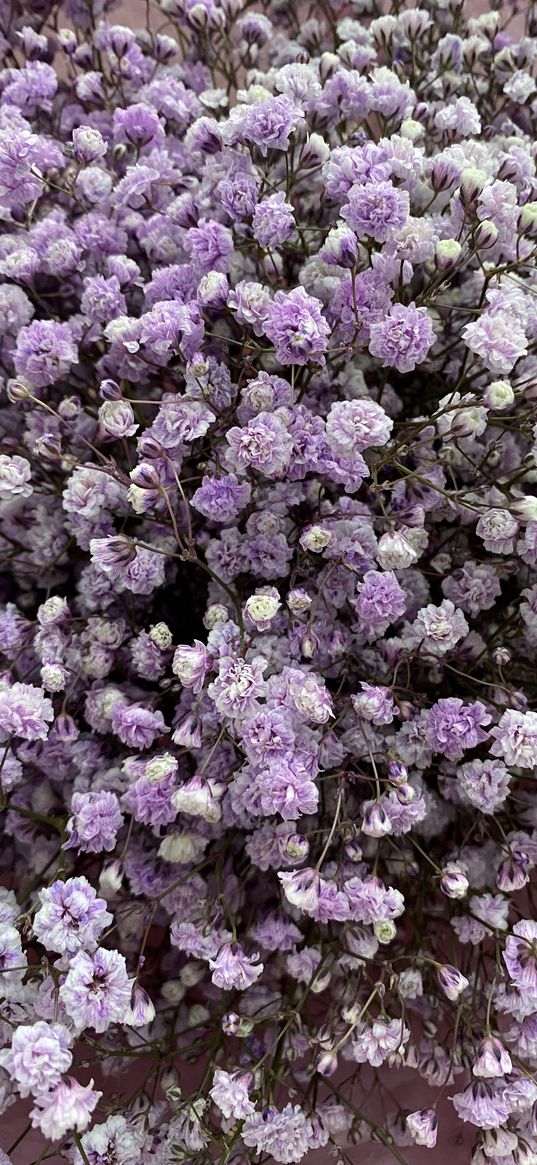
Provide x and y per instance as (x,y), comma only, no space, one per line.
(15,473)
(70,917)
(66,1107)
(96,991)
(38,1055)
(403,339)
(230,1093)
(268,530)
(24,712)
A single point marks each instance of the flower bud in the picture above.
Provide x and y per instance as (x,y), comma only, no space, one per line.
(173,990)
(397,772)
(385,930)
(473,181)
(109,390)
(65,727)
(501,656)
(298,601)
(314,152)
(375,822)
(326,1064)
(513,873)
(141,1010)
(215,614)
(17,391)
(161,636)
(498,395)
(454,883)
(406,794)
(447,254)
(111,879)
(230,1023)
(452,981)
(423,1127)
(353,852)
(493,1060)
(262,607)
(198,1015)
(485,235)
(524,509)
(192,973)
(309,645)
(527,220)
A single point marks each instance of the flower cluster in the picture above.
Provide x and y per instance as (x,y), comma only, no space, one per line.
(268,531)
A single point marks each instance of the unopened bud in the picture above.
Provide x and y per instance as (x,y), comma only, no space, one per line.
(527,220)
(109,390)
(473,182)
(385,930)
(485,235)
(524,509)
(454,883)
(498,395)
(326,1064)
(447,253)
(297,847)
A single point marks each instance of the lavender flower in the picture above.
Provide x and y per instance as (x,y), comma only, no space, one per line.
(403,339)
(96,991)
(38,1055)
(71,917)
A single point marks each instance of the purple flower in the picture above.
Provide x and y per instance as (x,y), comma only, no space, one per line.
(230,1093)
(376,209)
(136,726)
(66,1107)
(493,1059)
(24,712)
(96,991)
(453,727)
(374,704)
(238,685)
(287,789)
(88,144)
(482,1104)
(232,969)
(20,176)
(95,822)
(498,338)
(520,956)
(211,246)
(45,352)
(485,783)
(38,1055)
(355,425)
(295,325)
(191,665)
(263,444)
(373,1044)
(268,123)
(440,628)
(273,221)
(71,917)
(380,601)
(423,1127)
(221,498)
(452,982)
(286,1136)
(403,338)
(515,739)
(15,473)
